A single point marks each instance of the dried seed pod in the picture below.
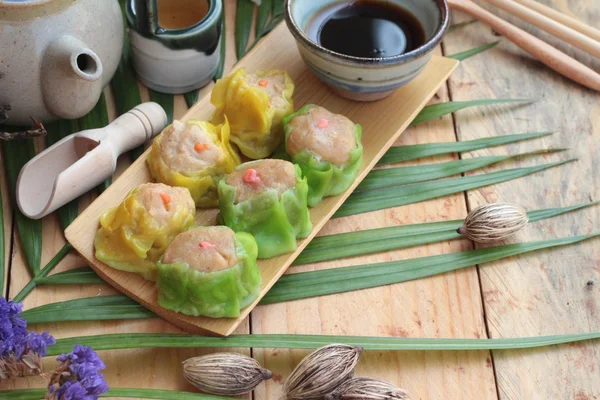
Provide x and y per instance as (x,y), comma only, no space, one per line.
(367,389)
(492,222)
(322,371)
(225,374)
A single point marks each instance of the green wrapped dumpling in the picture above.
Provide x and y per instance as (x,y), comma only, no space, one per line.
(133,236)
(267,198)
(209,271)
(327,147)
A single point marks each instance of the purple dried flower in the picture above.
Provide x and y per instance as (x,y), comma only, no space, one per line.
(20,351)
(68,391)
(38,343)
(77,376)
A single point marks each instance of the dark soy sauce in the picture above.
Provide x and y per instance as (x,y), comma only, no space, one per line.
(369,29)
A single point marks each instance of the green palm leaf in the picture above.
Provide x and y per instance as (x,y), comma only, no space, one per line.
(79,309)
(337,246)
(262,16)
(435,111)
(305,284)
(16,154)
(104,308)
(339,280)
(278,6)
(37,394)
(191,97)
(76,276)
(124,82)
(243,26)
(362,202)
(167,101)
(166,340)
(384,178)
(62,253)
(470,53)
(349,244)
(400,153)
(413,152)
(265,21)
(461,25)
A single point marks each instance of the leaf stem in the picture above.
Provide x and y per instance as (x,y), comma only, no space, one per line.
(44,272)
(37,394)
(313,283)
(288,341)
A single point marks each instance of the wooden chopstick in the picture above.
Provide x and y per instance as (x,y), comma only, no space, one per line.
(550,56)
(549,25)
(564,19)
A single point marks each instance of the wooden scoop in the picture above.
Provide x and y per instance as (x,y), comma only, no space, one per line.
(83,160)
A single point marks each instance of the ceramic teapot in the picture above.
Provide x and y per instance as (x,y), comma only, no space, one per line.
(56,56)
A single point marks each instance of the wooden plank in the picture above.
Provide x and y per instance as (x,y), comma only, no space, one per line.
(543,293)
(441,306)
(144,368)
(278,52)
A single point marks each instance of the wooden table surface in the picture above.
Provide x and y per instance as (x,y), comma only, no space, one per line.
(535,294)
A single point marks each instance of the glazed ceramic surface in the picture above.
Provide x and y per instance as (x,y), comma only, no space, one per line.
(174,60)
(358,78)
(56,56)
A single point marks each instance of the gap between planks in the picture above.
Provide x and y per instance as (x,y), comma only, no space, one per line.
(468,208)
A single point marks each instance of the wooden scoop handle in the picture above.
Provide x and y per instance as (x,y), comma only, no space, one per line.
(125,133)
(552,57)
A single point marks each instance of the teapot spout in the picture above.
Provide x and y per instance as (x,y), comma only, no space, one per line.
(71,78)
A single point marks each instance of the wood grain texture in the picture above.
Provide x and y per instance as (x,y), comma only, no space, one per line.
(277,51)
(563,18)
(541,50)
(542,293)
(555,28)
(144,368)
(442,306)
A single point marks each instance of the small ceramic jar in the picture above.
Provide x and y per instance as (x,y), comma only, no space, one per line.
(169,56)
(56,56)
(366,79)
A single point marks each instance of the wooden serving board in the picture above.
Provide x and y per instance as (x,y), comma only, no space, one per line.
(382,121)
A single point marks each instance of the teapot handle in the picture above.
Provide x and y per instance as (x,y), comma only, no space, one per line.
(142,16)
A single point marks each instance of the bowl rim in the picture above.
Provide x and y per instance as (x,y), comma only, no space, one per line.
(397,59)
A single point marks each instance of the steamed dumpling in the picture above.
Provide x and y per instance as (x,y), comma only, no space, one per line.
(205,249)
(327,147)
(134,235)
(209,271)
(254,104)
(255,178)
(266,198)
(194,155)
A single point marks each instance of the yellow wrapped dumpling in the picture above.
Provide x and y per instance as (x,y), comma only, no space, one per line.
(134,235)
(194,155)
(255,105)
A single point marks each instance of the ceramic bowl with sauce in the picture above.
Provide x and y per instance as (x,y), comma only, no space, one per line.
(175,43)
(365,49)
